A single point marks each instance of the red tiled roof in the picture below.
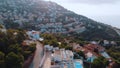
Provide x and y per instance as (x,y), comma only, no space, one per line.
(92,47)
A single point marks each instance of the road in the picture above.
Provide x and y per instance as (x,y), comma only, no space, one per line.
(38,55)
(47,63)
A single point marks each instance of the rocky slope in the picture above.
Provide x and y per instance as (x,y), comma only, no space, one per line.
(46,16)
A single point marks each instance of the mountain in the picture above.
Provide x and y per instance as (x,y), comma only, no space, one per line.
(49,17)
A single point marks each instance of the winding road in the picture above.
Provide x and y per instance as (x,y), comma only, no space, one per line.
(38,55)
(47,63)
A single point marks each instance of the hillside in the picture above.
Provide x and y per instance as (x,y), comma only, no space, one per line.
(47,16)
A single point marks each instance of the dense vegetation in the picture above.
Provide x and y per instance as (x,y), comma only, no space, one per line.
(55,41)
(114,52)
(98,34)
(12,53)
(100,62)
(79,55)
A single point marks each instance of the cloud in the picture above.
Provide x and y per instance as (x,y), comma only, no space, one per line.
(89,1)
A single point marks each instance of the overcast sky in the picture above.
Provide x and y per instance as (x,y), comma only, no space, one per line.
(105,11)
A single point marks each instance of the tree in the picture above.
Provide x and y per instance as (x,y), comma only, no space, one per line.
(68,48)
(114,52)
(96,50)
(21,35)
(15,48)
(2,60)
(50,39)
(15,36)
(26,54)
(1,26)
(54,43)
(28,50)
(11,55)
(100,62)
(14,60)
(76,56)
(101,42)
(32,47)
(97,64)
(80,53)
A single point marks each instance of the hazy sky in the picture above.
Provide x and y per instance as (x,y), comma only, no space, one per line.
(105,11)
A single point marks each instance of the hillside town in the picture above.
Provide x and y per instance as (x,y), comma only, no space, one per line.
(63,54)
(43,34)
(49,17)
(44,20)
(55,57)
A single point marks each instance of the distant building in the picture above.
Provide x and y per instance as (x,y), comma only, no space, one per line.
(2,28)
(92,51)
(48,47)
(94,42)
(62,57)
(92,47)
(106,43)
(34,35)
(90,57)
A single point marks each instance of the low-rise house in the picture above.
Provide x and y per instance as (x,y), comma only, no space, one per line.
(93,47)
(48,47)
(62,57)
(106,43)
(92,51)
(90,57)
(34,35)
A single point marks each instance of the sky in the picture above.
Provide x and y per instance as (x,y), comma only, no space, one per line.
(105,11)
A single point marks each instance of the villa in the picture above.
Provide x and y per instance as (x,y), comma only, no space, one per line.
(34,35)
(62,58)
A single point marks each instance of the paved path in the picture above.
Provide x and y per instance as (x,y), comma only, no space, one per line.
(38,55)
(47,63)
